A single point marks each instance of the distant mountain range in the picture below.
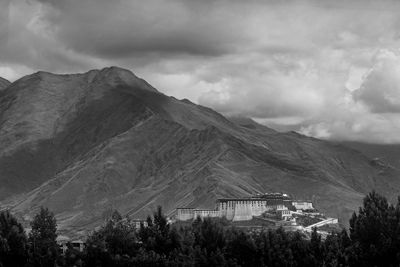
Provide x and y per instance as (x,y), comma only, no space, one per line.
(85,144)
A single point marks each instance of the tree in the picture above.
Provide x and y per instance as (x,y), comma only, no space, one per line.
(372,232)
(71,258)
(241,247)
(316,247)
(113,243)
(158,236)
(373,240)
(43,248)
(13,241)
(209,234)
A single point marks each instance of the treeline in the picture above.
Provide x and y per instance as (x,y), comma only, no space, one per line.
(373,239)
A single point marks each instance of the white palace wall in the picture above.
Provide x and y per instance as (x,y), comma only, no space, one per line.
(184,214)
(206,213)
(303,205)
(233,209)
(243,212)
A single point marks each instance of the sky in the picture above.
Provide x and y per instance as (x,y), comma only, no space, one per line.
(324,68)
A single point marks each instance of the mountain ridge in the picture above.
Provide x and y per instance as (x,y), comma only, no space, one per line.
(4,83)
(86,144)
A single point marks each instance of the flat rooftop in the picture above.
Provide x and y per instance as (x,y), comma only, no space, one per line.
(245,199)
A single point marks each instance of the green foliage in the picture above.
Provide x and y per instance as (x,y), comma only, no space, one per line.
(209,235)
(158,236)
(242,247)
(43,248)
(374,232)
(72,257)
(13,241)
(112,244)
(373,240)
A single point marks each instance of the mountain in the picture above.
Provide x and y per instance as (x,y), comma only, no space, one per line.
(380,152)
(250,124)
(3,83)
(85,144)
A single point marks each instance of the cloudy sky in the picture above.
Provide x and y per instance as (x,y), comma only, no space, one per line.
(329,69)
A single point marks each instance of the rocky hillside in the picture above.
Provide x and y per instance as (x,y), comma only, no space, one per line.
(86,144)
(386,153)
(3,83)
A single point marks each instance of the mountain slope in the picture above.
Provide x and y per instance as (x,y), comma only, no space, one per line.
(3,83)
(39,135)
(386,153)
(86,144)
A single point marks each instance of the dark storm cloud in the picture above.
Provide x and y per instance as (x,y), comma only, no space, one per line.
(4,20)
(320,66)
(123,28)
(27,43)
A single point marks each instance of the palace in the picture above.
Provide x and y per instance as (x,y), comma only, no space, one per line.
(243,209)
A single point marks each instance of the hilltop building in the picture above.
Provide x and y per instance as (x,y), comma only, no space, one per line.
(243,209)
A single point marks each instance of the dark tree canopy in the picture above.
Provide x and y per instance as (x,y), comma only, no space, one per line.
(113,242)
(13,241)
(374,232)
(373,240)
(43,248)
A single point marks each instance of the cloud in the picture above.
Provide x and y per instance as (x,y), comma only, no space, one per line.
(116,29)
(369,113)
(331,65)
(364,127)
(4,20)
(380,90)
(30,45)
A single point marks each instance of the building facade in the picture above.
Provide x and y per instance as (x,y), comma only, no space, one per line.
(240,209)
(303,205)
(64,241)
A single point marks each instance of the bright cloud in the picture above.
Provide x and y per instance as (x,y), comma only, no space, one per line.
(328,69)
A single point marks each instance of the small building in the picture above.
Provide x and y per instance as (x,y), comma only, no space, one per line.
(137,223)
(64,241)
(78,245)
(303,205)
(284,214)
